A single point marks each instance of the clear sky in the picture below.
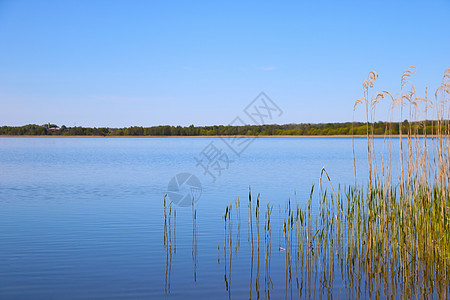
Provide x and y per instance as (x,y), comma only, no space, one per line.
(124,63)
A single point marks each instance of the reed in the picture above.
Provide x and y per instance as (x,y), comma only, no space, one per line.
(268,284)
(257,215)
(398,228)
(228,238)
(389,239)
(194,248)
(168,243)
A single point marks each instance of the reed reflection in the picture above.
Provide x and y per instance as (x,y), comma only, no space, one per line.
(167,244)
(194,239)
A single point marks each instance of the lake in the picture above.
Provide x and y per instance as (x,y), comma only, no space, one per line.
(84,217)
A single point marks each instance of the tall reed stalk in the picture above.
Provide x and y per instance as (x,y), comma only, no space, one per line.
(389,239)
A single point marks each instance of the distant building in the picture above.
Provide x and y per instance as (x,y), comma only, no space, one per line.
(51,127)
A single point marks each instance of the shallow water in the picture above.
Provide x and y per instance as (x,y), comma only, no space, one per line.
(84,217)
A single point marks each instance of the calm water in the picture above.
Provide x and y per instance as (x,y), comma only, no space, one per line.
(83,217)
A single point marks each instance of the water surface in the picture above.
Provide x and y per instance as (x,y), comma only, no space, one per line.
(84,217)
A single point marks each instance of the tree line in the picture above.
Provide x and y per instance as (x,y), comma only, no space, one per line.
(347,128)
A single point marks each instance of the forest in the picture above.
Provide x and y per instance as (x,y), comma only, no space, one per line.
(306,129)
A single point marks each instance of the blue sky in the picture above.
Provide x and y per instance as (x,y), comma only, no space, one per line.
(124,63)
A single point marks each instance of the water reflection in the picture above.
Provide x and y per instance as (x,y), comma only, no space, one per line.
(336,252)
(167,244)
(228,244)
(170,246)
(194,239)
(250,222)
(257,235)
(253,208)
(267,251)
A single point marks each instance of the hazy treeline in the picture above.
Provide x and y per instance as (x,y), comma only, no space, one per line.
(359,128)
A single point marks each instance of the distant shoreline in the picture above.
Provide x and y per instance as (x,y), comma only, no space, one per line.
(346,129)
(209,136)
